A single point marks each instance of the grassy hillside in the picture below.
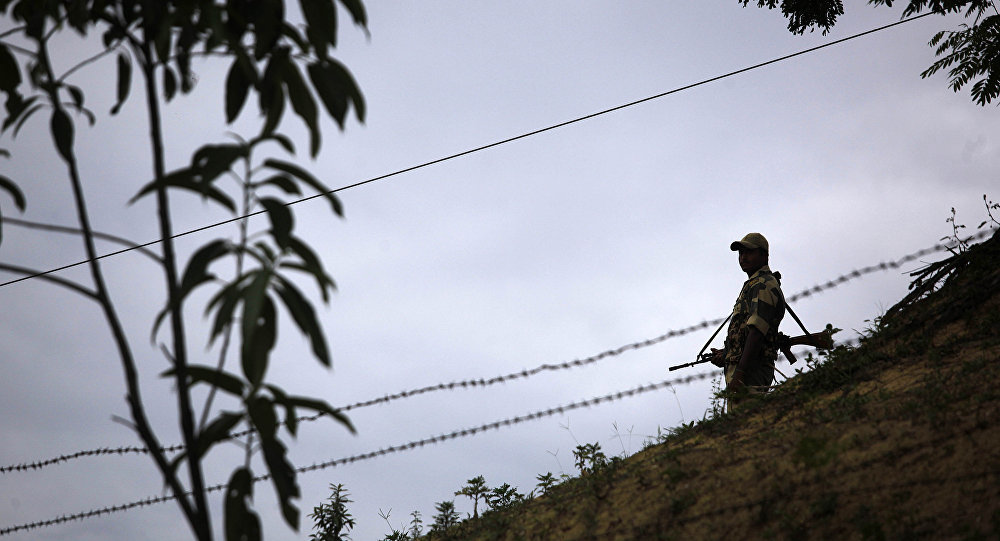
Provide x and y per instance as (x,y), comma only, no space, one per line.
(898,438)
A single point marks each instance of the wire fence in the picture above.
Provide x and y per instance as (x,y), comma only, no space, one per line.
(462,433)
(523,374)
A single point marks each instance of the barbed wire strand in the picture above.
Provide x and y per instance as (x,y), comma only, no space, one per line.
(480,148)
(484,382)
(887,455)
(467,432)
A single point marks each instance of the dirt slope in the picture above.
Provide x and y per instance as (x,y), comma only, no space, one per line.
(898,438)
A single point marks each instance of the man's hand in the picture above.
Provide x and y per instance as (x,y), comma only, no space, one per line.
(718,358)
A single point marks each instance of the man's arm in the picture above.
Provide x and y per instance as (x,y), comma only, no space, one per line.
(751,350)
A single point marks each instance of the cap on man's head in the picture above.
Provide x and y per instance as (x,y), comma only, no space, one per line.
(751,241)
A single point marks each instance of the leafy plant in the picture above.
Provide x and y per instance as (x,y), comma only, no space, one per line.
(445,518)
(504,496)
(970,54)
(331,520)
(589,458)
(283,63)
(475,489)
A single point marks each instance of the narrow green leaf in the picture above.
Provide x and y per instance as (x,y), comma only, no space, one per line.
(283,476)
(259,329)
(124,81)
(237,88)
(8,186)
(24,116)
(305,317)
(62,134)
(77,95)
(218,430)
(313,266)
(321,406)
(303,104)
(357,11)
(261,410)
(212,377)
(210,161)
(321,24)
(241,523)
(281,182)
(282,221)
(10,74)
(186,179)
(196,272)
(337,88)
(169,83)
(280,138)
(280,397)
(270,91)
(226,301)
(306,177)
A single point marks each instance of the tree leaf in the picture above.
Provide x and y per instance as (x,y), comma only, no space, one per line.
(124,81)
(62,134)
(77,95)
(306,177)
(261,411)
(282,182)
(336,87)
(218,430)
(210,161)
(24,116)
(280,397)
(241,76)
(196,272)
(321,406)
(242,524)
(303,104)
(321,24)
(282,221)
(259,328)
(357,11)
(213,377)
(186,179)
(305,317)
(312,265)
(8,186)
(10,74)
(283,476)
(169,83)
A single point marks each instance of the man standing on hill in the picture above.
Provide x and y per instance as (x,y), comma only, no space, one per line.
(752,340)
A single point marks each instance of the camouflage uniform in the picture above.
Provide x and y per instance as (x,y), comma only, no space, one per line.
(761,305)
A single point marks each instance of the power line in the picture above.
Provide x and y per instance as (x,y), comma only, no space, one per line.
(523,374)
(483,147)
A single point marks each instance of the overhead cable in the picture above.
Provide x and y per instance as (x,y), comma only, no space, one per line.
(482,147)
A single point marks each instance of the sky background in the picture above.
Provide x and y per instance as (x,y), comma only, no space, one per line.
(548,249)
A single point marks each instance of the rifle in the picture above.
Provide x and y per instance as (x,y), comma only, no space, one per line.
(819,340)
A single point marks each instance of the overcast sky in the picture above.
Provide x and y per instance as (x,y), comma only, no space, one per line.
(548,249)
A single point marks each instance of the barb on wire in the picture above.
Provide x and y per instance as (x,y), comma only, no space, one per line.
(612,397)
(483,382)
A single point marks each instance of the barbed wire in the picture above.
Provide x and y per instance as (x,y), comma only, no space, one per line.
(466,432)
(523,374)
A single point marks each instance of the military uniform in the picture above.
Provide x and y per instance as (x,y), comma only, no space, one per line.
(760,305)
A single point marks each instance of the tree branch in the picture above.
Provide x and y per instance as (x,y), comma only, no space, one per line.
(50,278)
(76,231)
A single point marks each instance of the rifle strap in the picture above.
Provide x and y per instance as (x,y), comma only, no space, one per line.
(777,275)
(703,348)
(796,318)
